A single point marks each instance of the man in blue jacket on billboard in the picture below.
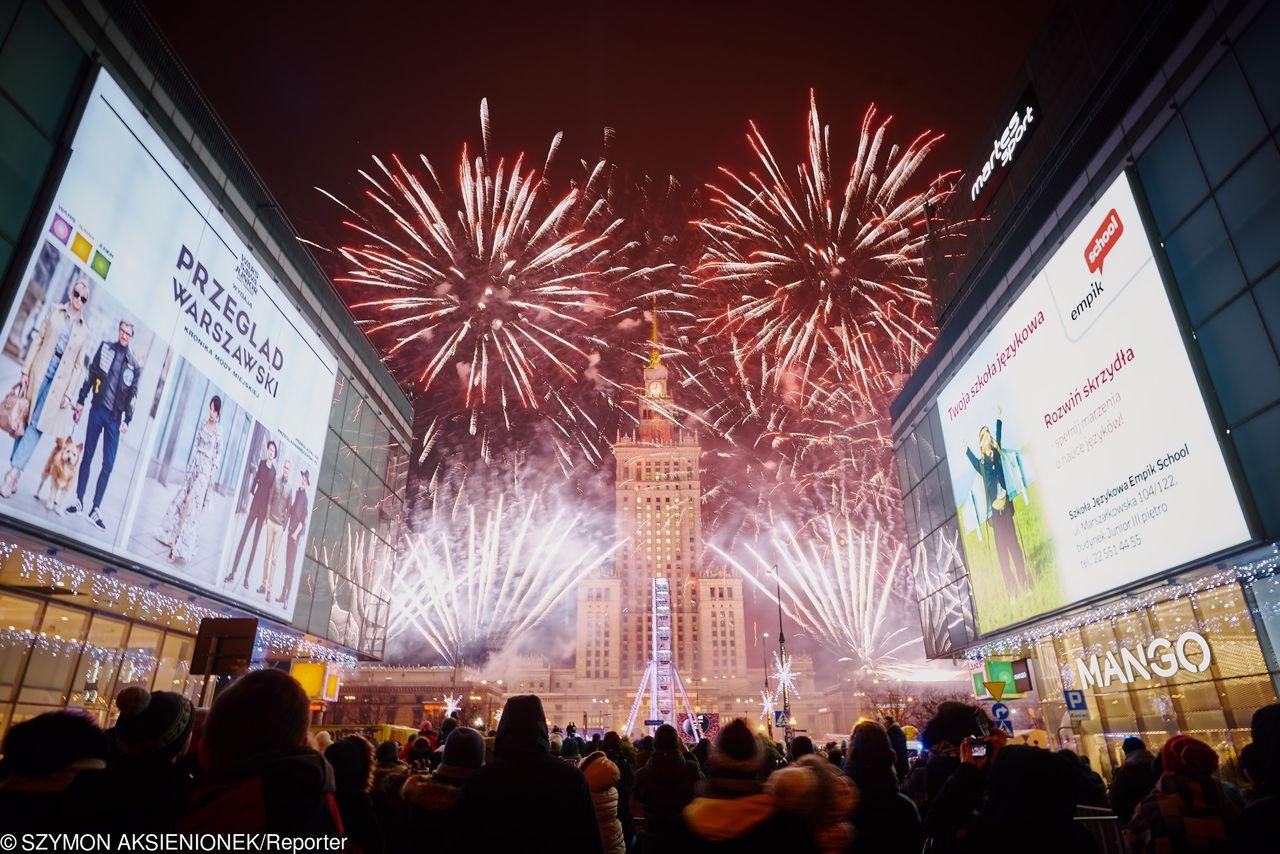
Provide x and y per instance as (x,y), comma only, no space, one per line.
(113,379)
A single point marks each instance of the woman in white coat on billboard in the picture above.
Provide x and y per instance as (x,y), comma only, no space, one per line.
(50,377)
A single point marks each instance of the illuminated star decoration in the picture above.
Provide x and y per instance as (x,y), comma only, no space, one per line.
(784,675)
(768,705)
(452,704)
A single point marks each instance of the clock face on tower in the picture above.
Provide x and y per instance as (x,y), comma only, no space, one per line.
(655,389)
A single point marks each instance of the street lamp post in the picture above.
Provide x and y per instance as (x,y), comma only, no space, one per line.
(782,653)
(764,656)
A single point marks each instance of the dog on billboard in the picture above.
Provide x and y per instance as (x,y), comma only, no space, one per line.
(60,469)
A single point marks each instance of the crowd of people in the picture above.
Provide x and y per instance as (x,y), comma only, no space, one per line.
(250,764)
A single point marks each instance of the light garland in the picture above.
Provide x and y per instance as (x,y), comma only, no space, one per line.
(141,603)
(1243,574)
(60,647)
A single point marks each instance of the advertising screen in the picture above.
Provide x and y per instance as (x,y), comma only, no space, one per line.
(1080,452)
(170,403)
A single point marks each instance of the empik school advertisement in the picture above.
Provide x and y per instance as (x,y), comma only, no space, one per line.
(1080,451)
(178,401)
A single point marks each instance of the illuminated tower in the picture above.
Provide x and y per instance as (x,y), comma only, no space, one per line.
(659,527)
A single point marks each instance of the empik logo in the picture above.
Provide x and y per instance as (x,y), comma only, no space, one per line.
(1105,238)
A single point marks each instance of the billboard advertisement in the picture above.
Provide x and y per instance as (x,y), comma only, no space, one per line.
(1081,455)
(163,399)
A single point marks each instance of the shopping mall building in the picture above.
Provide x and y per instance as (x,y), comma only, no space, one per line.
(194,425)
(1089,455)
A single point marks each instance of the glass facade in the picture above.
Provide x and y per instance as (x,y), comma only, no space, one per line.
(55,654)
(346,582)
(1215,704)
(1208,166)
(100,628)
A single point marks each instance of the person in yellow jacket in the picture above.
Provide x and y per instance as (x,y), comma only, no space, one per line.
(50,377)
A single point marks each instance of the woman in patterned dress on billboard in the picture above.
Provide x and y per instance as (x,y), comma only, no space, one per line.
(181,522)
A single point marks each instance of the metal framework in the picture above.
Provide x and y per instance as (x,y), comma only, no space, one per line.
(661,680)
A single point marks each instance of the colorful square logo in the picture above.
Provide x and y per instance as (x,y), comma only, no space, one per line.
(61,229)
(80,247)
(101,264)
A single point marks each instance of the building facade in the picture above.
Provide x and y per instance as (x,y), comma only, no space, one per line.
(1087,455)
(257,444)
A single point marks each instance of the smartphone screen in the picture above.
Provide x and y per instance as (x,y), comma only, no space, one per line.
(978,751)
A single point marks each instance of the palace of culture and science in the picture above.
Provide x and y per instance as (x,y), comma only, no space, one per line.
(658,518)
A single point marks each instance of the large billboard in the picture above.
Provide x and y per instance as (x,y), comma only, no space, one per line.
(1080,451)
(175,402)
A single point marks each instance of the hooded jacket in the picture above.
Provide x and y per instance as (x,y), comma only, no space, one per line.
(733,813)
(290,793)
(525,784)
(885,819)
(665,786)
(1131,782)
(428,808)
(602,777)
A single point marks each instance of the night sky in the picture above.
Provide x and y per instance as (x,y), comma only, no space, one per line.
(310,95)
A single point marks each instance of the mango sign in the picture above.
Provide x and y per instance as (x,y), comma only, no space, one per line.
(1105,238)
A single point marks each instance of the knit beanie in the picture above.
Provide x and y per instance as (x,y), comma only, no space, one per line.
(736,749)
(152,723)
(1184,754)
(570,749)
(464,748)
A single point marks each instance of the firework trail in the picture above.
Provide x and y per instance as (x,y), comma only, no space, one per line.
(481,578)
(839,583)
(488,295)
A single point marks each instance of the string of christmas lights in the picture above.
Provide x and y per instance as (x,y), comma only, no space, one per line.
(146,604)
(1016,643)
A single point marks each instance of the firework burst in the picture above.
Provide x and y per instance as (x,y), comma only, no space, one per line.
(479,579)
(488,295)
(819,283)
(840,584)
(814,309)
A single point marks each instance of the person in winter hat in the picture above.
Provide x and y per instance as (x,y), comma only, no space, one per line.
(819,794)
(389,774)
(617,750)
(323,739)
(54,766)
(664,786)
(146,786)
(418,756)
(570,751)
(504,805)
(260,776)
(731,811)
(430,800)
(885,819)
(1187,810)
(602,777)
(557,743)
(447,726)
(1131,782)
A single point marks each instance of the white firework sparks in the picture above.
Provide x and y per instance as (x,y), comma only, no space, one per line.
(452,704)
(838,583)
(480,579)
